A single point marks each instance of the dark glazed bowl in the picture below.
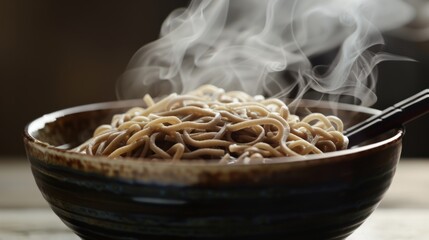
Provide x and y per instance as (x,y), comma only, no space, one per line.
(318,197)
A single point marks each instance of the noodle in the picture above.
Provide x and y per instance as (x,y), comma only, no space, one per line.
(209,123)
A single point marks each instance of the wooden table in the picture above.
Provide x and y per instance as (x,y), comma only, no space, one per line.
(403,213)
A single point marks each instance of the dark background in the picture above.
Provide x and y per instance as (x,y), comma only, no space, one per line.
(59,54)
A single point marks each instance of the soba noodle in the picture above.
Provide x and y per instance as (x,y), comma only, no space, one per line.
(209,123)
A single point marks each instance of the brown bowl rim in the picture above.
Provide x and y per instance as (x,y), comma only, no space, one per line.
(141,166)
(51,117)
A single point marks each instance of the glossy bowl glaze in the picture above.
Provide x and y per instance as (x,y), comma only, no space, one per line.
(317,197)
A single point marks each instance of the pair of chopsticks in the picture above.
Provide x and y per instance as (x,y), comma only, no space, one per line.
(392,117)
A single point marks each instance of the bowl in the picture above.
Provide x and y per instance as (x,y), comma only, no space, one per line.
(324,196)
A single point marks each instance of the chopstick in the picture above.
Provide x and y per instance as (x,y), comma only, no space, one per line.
(390,118)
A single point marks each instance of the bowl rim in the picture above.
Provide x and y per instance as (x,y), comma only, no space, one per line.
(40,122)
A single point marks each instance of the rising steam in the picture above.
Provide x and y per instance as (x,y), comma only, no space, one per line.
(265,47)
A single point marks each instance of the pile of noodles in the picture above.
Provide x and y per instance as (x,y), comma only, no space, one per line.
(210,123)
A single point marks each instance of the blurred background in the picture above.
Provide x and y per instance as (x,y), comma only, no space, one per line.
(59,54)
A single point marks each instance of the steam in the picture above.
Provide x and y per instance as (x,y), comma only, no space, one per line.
(265,47)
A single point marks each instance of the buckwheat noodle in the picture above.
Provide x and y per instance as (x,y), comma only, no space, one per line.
(209,123)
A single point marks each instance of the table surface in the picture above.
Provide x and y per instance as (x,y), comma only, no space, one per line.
(403,213)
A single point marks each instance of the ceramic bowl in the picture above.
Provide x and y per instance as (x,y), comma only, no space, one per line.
(324,196)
